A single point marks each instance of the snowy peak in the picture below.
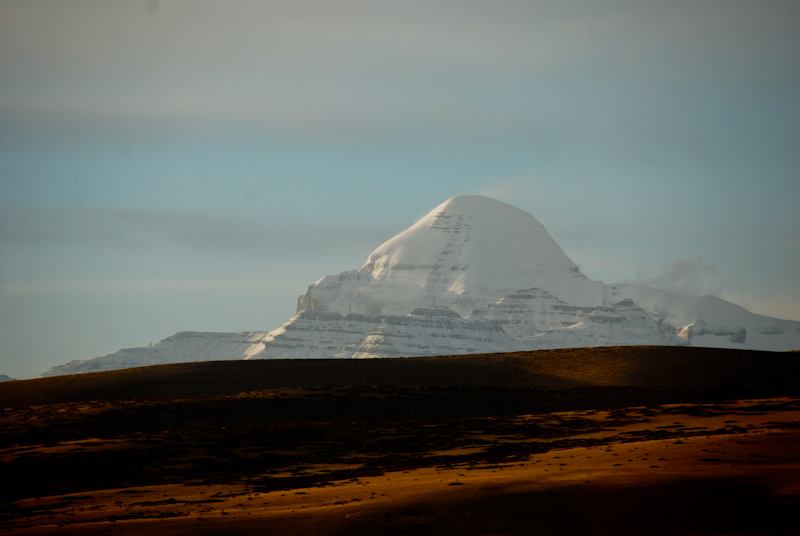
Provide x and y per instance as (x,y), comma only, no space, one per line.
(468,252)
(487,260)
(473,229)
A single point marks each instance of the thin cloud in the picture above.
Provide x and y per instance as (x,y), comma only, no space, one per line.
(67,286)
(511,190)
(129,228)
(365,70)
(690,277)
(504,191)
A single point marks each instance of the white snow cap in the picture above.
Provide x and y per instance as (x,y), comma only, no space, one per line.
(468,252)
(479,236)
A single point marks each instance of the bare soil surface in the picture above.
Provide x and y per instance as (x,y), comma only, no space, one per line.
(589,441)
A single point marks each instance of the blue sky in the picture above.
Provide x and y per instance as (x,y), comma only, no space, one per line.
(189,165)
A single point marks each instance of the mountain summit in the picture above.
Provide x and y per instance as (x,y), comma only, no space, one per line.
(468,252)
(475,275)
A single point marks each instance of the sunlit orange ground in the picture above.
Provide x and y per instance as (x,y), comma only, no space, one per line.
(730,468)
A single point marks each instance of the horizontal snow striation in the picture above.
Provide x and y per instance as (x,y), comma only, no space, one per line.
(183,347)
(468,252)
(621,324)
(318,335)
(424,331)
(529,312)
(711,321)
(434,331)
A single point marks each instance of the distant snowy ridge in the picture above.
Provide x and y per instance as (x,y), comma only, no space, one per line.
(711,321)
(183,347)
(473,276)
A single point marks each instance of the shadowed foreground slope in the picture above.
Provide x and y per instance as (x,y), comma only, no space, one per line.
(639,440)
(640,366)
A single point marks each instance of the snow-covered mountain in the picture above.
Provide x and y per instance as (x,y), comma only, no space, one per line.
(487,260)
(468,252)
(473,276)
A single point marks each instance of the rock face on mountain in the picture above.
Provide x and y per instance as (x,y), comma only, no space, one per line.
(424,331)
(473,276)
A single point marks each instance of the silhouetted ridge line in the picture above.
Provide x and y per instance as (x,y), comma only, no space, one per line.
(620,366)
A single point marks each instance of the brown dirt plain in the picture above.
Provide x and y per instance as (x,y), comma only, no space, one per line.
(634,440)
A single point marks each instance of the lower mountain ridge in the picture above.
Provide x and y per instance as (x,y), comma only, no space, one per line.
(473,276)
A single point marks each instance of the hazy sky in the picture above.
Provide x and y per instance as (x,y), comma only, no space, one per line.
(187,165)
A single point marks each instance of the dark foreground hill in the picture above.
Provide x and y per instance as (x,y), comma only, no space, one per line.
(606,440)
(639,366)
